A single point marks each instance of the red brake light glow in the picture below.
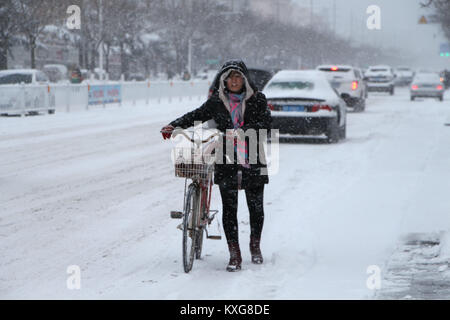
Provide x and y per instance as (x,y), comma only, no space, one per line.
(439,87)
(318,107)
(354,85)
(334,68)
(415,87)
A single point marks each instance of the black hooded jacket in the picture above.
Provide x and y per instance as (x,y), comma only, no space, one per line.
(256,116)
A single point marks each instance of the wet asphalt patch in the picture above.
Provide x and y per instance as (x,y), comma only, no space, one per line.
(416,271)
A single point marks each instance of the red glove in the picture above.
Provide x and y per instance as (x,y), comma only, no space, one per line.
(167,131)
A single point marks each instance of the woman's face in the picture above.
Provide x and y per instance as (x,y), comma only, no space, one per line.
(235,81)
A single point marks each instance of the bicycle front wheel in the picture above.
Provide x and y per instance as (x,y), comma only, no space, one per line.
(190,226)
(198,243)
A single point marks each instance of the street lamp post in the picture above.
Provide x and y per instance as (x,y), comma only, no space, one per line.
(224,14)
(100,48)
(189,66)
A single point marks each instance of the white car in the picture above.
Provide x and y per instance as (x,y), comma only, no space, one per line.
(304,103)
(56,73)
(404,76)
(349,81)
(380,79)
(24,91)
(427,85)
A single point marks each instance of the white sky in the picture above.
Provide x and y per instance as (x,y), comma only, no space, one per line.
(399,26)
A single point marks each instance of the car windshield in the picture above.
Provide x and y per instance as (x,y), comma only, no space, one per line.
(15,78)
(427,78)
(291,85)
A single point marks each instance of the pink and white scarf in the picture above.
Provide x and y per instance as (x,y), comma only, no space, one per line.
(240,147)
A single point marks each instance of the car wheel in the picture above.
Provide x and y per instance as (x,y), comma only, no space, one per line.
(413,98)
(361,105)
(441,98)
(333,131)
(51,111)
(392,91)
(343,132)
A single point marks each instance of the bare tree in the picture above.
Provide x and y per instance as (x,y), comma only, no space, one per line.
(442,13)
(9,26)
(33,17)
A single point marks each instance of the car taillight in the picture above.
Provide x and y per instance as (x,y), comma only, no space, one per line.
(210,93)
(271,107)
(415,87)
(439,87)
(354,85)
(318,107)
(334,68)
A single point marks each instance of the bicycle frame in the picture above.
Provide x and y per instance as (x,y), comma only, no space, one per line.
(197,166)
(206,189)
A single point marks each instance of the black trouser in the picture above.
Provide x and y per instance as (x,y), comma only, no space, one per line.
(255,203)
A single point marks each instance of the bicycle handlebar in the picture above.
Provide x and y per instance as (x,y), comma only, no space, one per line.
(177,132)
(216,134)
(197,142)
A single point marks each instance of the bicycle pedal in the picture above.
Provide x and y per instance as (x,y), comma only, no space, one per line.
(176,214)
(215,237)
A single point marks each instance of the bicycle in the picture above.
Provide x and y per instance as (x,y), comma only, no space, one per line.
(192,163)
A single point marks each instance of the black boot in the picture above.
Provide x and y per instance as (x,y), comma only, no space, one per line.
(235,257)
(255,250)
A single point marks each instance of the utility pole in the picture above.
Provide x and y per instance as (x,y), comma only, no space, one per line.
(190,55)
(311,12)
(190,11)
(334,16)
(351,25)
(100,48)
(278,11)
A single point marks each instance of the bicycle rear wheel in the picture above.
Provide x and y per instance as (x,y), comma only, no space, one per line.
(190,227)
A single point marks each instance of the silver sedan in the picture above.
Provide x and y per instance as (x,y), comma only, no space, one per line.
(427,85)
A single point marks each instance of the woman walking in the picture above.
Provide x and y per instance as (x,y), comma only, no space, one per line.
(236,104)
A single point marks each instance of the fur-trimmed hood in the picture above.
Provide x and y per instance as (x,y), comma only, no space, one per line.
(219,84)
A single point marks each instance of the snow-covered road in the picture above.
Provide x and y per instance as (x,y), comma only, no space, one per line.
(94,189)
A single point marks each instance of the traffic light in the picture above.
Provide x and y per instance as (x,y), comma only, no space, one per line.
(445,50)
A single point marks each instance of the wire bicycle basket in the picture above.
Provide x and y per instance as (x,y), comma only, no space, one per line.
(193,163)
